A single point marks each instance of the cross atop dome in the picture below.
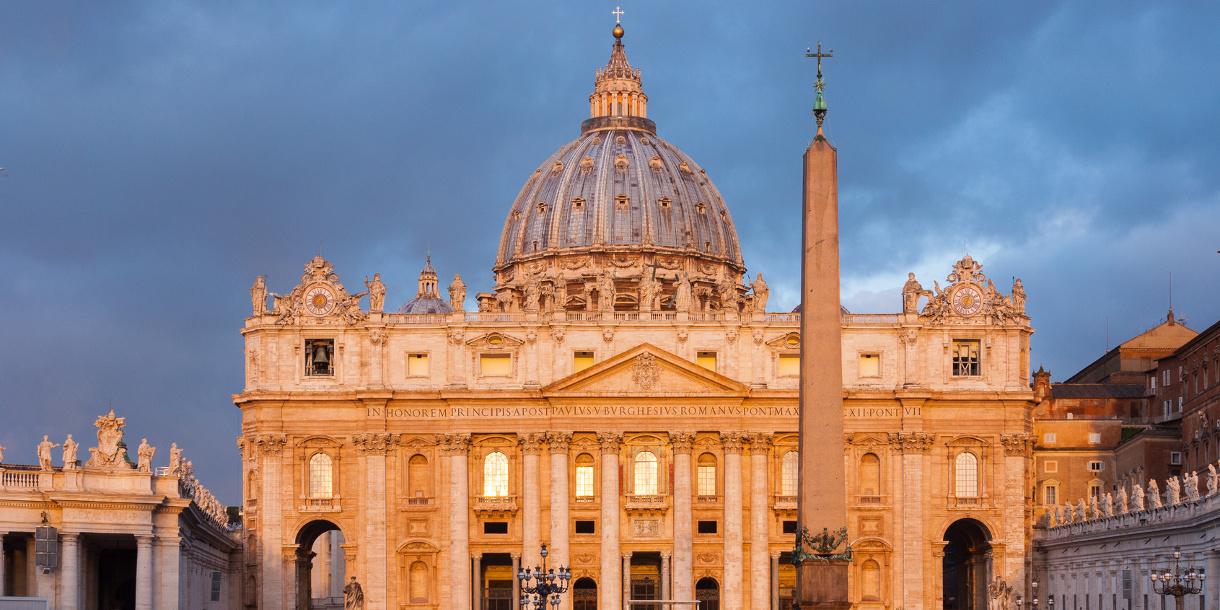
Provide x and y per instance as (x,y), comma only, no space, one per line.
(618,97)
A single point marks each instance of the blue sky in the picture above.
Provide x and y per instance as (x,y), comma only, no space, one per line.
(159,155)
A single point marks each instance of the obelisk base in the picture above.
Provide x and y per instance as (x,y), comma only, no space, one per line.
(822,585)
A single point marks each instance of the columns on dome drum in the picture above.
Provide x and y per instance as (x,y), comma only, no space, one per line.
(821,497)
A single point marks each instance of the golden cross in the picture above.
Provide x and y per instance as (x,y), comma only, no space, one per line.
(819,55)
(618,14)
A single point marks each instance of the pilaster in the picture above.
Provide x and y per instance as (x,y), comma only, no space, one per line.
(532,445)
(456,447)
(559,442)
(69,571)
(144,573)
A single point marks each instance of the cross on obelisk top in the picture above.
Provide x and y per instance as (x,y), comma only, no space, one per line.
(618,15)
(819,102)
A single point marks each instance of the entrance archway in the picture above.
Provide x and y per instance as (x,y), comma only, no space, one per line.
(321,569)
(584,594)
(646,579)
(707,592)
(966,566)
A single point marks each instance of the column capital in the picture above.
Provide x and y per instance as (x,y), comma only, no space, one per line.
(476,557)
(559,441)
(374,443)
(681,442)
(665,555)
(515,556)
(532,443)
(65,535)
(271,444)
(732,442)
(610,441)
(775,555)
(454,444)
(145,539)
(627,556)
(759,442)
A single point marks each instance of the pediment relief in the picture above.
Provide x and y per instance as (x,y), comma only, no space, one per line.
(967,441)
(787,341)
(319,441)
(417,547)
(867,439)
(414,442)
(495,341)
(646,370)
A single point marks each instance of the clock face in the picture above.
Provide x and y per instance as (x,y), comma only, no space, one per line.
(967,300)
(319,300)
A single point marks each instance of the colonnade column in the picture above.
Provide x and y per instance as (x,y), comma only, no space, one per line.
(1213,577)
(666,591)
(455,447)
(169,571)
(559,443)
(626,580)
(775,581)
(144,574)
(476,578)
(69,571)
(681,443)
(516,583)
(760,446)
(611,571)
(732,592)
(531,500)
(2,592)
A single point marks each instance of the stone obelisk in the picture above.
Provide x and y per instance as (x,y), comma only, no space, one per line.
(822,494)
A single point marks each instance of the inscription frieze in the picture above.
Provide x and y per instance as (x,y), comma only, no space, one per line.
(481,412)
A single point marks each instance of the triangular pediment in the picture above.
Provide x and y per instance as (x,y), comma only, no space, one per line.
(646,370)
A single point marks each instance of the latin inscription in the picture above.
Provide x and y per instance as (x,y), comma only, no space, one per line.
(623,411)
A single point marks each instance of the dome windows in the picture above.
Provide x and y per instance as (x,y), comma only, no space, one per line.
(664,203)
(557,167)
(655,163)
(620,162)
(699,207)
(578,202)
(621,203)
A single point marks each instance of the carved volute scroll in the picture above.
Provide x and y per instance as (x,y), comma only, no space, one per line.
(559,441)
(610,441)
(681,442)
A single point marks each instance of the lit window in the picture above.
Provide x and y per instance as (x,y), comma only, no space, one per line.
(707,475)
(870,365)
(788,473)
(789,365)
(966,358)
(495,475)
(645,474)
(320,357)
(1094,438)
(320,476)
(495,365)
(417,365)
(967,475)
(1050,495)
(706,360)
(584,476)
(581,361)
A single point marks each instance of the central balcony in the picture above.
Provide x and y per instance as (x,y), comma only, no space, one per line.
(495,506)
(641,505)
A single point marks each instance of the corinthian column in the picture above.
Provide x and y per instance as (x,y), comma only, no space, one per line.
(559,442)
(374,447)
(456,446)
(683,568)
(732,595)
(69,571)
(270,448)
(531,500)
(144,573)
(611,573)
(760,445)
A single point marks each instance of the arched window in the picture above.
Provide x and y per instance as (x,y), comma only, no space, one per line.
(495,475)
(707,474)
(870,580)
(584,594)
(584,476)
(707,592)
(321,476)
(788,472)
(870,475)
(418,479)
(419,582)
(645,474)
(966,468)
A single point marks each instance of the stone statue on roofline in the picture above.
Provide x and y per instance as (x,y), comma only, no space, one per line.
(144,455)
(376,290)
(1173,491)
(1123,501)
(1192,486)
(258,296)
(1137,497)
(911,291)
(44,452)
(1107,505)
(762,292)
(175,459)
(1154,494)
(1212,476)
(70,448)
(457,294)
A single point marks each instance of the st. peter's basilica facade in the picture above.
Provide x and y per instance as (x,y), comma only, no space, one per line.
(625,397)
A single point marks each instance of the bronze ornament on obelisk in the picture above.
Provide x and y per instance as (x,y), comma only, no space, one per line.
(822,553)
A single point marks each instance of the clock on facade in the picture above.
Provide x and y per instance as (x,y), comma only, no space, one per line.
(319,300)
(967,300)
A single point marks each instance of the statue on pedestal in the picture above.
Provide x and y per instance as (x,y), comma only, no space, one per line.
(70,447)
(457,294)
(762,292)
(110,451)
(376,291)
(353,596)
(1137,497)
(1212,476)
(258,295)
(1154,494)
(682,298)
(1018,296)
(1123,501)
(175,459)
(44,452)
(144,455)
(911,291)
(1173,491)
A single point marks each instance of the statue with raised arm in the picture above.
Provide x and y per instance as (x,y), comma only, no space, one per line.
(144,455)
(70,448)
(258,295)
(376,291)
(44,452)
(911,291)
(353,596)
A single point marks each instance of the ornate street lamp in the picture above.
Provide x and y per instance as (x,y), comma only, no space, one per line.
(542,586)
(1033,603)
(1177,583)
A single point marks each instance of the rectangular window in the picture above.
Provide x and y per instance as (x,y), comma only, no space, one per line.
(707,480)
(706,360)
(870,365)
(495,365)
(789,527)
(581,360)
(1153,382)
(1096,466)
(1165,378)
(586,527)
(1175,458)
(418,365)
(1094,438)
(1048,438)
(495,527)
(788,365)
(966,358)
(215,586)
(707,527)
(1051,496)
(1095,490)
(320,357)
(584,481)
(1050,466)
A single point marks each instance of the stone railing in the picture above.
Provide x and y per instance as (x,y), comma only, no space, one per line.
(190,488)
(321,505)
(1181,500)
(19,479)
(648,504)
(497,505)
(857,319)
(785,503)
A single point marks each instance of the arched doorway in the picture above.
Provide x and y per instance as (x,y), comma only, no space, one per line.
(966,566)
(321,566)
(707,592)
(584,594)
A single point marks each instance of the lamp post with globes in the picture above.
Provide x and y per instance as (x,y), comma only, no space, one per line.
(1177,583)
(1033,603)
(541,586)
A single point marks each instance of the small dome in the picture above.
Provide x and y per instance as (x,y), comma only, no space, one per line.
(427,298)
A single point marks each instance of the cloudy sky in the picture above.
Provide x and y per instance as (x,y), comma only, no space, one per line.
(159,155)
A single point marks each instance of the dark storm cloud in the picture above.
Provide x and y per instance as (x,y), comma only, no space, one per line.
(161,154)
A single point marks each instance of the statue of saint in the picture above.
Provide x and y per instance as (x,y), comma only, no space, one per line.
(457,294)
(1212,476)
(648,291)
(762,292)
(729,297)
(533,295)
(376,293)
(1137,497)
(44,452)
(1154,494)
(911,291)
(175,459)
(258,295)
(1018,296)
(70,448)
(1107,505)
(605,291)
(353,596)
(1173,491)
(144,456)
(1,454)
(1123,501)
(1192,485)
(683,296)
